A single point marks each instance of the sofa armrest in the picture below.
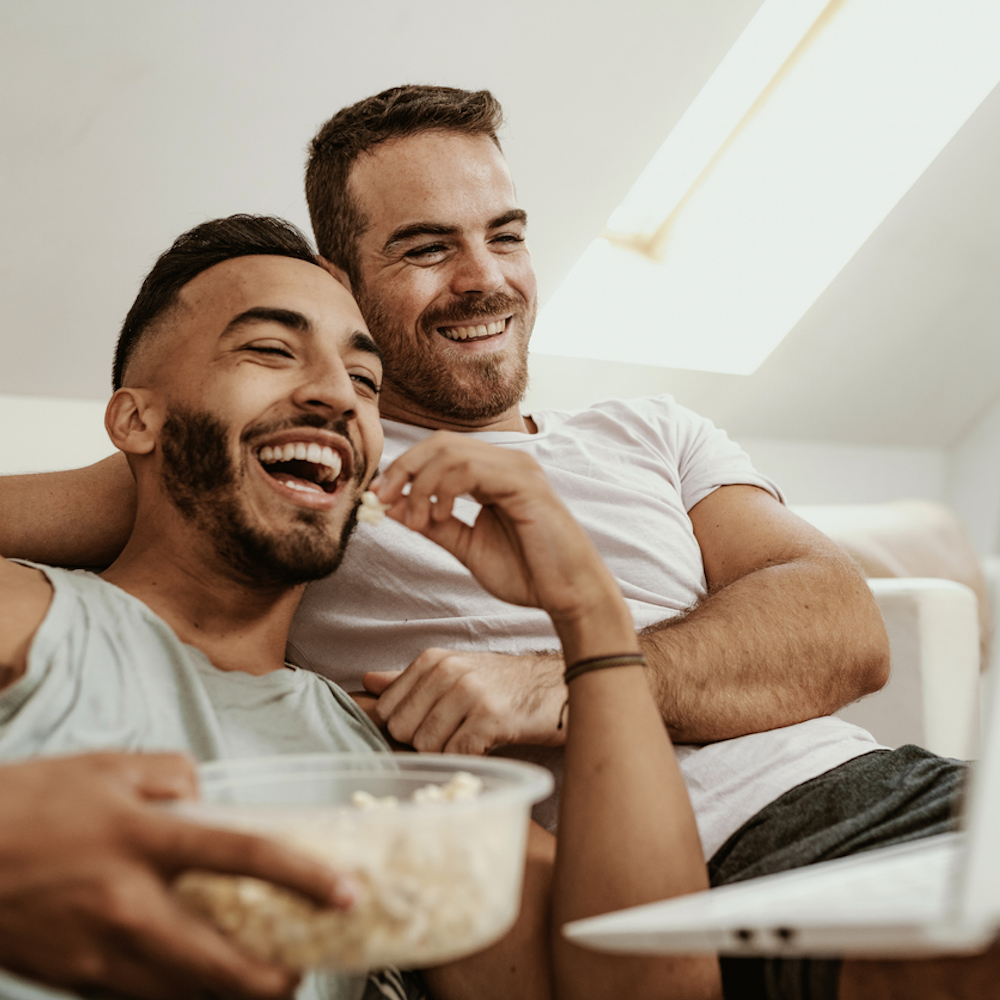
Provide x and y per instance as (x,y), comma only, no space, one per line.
(931,698)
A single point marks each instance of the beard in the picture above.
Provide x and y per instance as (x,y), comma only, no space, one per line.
(472,389)
(201,478)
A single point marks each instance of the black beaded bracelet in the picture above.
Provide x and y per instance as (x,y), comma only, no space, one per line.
(574,670)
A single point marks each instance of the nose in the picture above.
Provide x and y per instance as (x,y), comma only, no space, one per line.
(326,387)
(477,271)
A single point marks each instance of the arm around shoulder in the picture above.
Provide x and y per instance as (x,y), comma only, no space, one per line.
(81,517)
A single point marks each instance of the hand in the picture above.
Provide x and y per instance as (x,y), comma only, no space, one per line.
(450,701)
(524,547)
(85,867)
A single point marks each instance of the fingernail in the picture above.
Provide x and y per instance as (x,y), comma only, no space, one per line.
(347,892)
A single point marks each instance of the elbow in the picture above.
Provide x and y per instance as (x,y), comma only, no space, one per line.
(874,671)
(871,651)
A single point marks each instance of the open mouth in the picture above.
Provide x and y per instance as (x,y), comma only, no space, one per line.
(304,466)
(474,332)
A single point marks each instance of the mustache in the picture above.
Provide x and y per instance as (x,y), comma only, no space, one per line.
(488,306)
(316,421)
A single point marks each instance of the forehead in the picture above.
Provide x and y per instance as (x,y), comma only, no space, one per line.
(216,296)
(437,177)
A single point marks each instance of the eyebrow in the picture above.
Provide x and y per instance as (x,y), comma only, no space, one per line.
(262,314)
(292,320)
(360,341)
(404,233)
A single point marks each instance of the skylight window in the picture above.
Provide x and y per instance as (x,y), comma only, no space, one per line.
(818,121)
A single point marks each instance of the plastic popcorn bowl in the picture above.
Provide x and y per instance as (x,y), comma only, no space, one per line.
(438,879)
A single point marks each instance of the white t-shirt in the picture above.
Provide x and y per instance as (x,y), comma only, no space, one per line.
(629,471)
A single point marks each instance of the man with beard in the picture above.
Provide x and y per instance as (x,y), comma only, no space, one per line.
(754,625)
(246,402)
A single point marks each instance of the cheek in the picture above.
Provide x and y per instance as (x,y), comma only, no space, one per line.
(372,437)
(522,277)
(406,298)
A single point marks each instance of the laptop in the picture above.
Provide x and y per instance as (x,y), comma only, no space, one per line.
(932,896)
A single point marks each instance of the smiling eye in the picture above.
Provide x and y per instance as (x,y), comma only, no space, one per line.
(368,381)
(424,252)
(275,350)
(510,239)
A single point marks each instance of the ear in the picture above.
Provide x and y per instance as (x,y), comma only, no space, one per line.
(132,421)
(338,272)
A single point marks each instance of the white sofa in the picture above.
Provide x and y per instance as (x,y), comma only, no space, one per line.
(935,599)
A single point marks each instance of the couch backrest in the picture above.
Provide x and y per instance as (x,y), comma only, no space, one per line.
(907,538)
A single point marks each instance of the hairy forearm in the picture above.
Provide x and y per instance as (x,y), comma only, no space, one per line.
(82,517)
(780,645)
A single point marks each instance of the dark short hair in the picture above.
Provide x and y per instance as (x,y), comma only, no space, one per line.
(197,250)
(337,220)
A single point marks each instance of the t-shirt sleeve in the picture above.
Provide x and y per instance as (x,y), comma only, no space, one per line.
(40,668)
(704,455)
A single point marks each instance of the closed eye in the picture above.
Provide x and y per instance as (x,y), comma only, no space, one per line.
(366,380)
(282,352)
(425,251)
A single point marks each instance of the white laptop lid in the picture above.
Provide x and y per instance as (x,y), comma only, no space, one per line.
(790,912)
(978,898)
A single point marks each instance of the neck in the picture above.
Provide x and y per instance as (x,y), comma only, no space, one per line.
(392,406)
(177,574)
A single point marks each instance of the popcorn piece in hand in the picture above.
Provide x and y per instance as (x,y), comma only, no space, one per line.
(372,510)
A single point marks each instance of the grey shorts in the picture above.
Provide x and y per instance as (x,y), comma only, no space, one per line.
(881,798)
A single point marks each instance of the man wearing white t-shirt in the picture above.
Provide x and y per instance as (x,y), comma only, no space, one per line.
(755,626)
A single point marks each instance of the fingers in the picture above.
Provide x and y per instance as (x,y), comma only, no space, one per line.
(167,938)
(376,682)
(433,487)
(446,701)
(411,707)
(177,845)
(447,465)
(151,775)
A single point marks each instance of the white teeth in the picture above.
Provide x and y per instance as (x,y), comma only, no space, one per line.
(329,461)
(301,487)
(332,461)
(474,332)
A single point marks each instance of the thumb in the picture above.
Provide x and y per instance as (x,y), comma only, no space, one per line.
(377,682)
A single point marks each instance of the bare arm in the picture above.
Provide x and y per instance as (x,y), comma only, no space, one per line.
(621,783)
(788,632)
(82,517)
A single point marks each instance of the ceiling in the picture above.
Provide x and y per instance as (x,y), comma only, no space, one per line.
(124,124)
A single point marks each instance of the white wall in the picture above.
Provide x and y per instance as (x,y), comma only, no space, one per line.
(820,472)
(974,479)
(42,435)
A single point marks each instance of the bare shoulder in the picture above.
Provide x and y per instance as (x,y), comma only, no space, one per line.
(25,596)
